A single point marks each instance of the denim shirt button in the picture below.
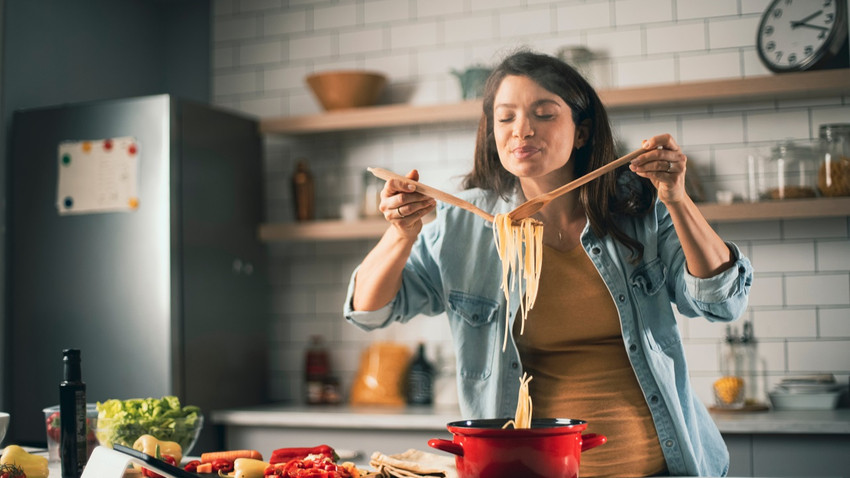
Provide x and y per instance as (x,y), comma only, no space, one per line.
(622,298)
(514,365)
(653,399)
(633,347)
(475,317)
(742,269)
(668,443)
(596,250)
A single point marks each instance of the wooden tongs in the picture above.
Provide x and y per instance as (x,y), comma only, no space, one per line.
(522,211)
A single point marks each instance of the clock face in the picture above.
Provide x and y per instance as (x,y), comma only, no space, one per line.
(799,34)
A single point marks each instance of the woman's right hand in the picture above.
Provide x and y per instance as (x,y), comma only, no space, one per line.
(403,207)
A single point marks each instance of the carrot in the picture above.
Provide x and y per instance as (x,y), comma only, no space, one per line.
(204,468)
(230,455)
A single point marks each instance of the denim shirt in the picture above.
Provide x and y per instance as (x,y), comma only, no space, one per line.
(454,268)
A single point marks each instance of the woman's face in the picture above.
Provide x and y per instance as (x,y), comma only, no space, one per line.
(534,130)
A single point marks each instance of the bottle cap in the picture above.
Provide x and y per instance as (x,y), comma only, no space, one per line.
(71,359)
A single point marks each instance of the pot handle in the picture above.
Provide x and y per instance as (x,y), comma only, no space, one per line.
(446,445)
(592,440)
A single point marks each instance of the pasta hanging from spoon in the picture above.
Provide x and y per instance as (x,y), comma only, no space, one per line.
(520,248)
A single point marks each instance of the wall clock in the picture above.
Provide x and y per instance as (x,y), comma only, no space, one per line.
(798,35)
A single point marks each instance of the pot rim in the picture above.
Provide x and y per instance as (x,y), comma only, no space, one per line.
(493,427)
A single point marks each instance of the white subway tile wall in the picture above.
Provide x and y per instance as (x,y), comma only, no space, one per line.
(263,49)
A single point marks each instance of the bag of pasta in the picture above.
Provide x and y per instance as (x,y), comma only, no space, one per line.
(380,376)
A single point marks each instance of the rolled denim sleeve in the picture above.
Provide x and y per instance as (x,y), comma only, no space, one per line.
(365,319)
(723,296)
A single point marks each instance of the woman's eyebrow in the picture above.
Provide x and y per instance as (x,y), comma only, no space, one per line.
(533,105)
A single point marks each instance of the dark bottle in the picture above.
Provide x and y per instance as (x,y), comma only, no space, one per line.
(316,371)
(72,416)
(420,378)
(303,192)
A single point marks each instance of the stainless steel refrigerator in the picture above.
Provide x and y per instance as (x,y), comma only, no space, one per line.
(168,296)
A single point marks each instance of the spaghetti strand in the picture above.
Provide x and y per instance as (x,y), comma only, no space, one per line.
(520,248)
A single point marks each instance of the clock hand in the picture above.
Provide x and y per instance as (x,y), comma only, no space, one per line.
(816,27)
(802,22)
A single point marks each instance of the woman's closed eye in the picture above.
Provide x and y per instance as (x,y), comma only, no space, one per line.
(540,116)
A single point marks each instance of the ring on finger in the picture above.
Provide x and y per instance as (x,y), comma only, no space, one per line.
(398,210)
(669,165)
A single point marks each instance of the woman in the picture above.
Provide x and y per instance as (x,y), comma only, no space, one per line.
(601,341)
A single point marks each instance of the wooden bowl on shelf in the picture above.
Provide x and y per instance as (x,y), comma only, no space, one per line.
(344,89)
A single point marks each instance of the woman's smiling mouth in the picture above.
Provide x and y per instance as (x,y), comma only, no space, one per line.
(524,152)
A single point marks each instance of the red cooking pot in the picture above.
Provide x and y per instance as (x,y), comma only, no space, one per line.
(551,448)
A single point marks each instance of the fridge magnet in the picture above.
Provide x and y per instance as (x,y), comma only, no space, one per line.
(98,176)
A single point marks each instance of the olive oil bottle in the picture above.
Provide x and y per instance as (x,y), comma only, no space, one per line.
(72,416)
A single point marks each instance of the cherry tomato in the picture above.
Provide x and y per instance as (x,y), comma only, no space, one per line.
(222,465)
(192,466)
(53,426)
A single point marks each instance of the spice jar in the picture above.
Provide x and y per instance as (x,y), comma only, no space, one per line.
(790,173)
(834,169)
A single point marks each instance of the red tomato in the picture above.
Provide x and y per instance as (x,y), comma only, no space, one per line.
(192,466)
(53,426)
(222,465)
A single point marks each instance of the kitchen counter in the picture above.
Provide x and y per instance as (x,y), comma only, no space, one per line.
(54,468)
(435,419)
(767,443)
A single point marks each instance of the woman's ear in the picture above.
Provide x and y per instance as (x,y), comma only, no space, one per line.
(582,134)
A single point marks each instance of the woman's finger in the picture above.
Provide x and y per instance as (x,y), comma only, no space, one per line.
(395,186)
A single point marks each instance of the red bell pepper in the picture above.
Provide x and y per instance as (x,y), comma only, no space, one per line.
(152,474)
(222,465)
(283,455)
(297,468)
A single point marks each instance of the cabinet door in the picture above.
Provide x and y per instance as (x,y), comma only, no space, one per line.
(740,454)
(225,310)
(801,455)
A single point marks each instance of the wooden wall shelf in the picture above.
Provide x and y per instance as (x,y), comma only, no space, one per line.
(759,211)
(776,87)
(786,86)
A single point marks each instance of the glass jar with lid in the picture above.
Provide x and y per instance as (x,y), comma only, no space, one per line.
(834,169)
(791,171)
(729,389)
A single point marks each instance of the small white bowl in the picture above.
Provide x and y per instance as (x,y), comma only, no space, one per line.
(804,401)
(4,425)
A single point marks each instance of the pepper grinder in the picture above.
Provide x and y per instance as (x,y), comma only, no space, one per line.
(304,191)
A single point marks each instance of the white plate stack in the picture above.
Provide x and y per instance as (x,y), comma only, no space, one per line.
(811,392)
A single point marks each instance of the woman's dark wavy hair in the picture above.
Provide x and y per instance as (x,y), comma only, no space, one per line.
(599,197)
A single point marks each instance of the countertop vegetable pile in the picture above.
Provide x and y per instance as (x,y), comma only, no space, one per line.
(123,421)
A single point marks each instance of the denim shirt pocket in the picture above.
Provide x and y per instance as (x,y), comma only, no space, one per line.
(659,325)
(476,328)
(650,277)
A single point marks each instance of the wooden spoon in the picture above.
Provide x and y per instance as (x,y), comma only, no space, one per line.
(432,192)
(535,204)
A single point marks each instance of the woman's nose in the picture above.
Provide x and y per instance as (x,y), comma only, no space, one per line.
(523,128)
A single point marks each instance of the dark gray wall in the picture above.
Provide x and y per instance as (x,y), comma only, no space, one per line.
(68,51)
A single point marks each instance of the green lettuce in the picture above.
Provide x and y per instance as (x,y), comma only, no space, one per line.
(123,421)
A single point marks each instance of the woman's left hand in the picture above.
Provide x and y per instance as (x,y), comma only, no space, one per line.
(664,164)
